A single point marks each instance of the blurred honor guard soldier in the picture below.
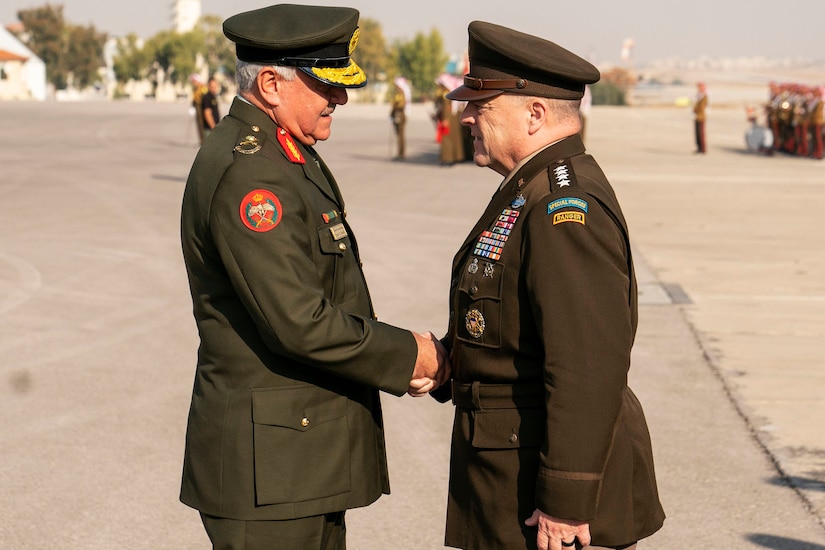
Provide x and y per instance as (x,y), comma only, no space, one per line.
(550,447)
(700,106)
(285,430)
(401,97)
(818,121)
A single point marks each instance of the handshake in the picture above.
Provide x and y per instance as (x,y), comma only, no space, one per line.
(432,366)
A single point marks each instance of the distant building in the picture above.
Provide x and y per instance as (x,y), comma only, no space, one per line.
(185,14)
(22,74)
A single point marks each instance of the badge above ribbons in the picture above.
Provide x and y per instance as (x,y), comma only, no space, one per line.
(261,210)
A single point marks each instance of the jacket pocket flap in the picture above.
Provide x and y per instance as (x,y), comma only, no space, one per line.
(508,428)
(296,407)
(333,239)
(484,282)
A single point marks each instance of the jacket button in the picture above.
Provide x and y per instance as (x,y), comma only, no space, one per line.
(473,290)
(304,422)
(513,438)
(342,247)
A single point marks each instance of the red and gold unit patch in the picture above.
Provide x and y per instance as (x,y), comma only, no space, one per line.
(563,217)
(261,210)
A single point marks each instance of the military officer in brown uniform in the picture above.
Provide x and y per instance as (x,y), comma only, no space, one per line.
(285,429)
(550,447)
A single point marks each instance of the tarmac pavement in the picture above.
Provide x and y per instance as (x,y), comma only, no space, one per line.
(97,341)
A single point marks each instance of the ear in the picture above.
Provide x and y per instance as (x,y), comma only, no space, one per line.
(268,83)
(538,113)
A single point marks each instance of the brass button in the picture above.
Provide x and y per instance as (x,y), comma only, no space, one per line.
(473,290)
(304,422)
(256,129)
(342,247)
(513,438)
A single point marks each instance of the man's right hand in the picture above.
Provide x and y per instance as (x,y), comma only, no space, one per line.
(432,366)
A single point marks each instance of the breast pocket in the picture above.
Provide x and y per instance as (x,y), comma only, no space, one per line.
(301,444)
(341,274)
(479,303)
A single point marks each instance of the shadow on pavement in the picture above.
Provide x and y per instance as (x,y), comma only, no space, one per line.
(782,543)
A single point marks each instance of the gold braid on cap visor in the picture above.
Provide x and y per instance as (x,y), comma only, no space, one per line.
(350,76)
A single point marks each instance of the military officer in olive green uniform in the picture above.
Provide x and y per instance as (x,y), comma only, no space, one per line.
(285,430)
(550,447)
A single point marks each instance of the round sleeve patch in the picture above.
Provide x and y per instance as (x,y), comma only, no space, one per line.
(261,210)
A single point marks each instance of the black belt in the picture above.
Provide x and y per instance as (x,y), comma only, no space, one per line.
(478,396)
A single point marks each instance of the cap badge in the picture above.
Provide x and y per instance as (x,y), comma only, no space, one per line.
(353,41)
(474,322)
(289,147)
(249,146)
(261,210)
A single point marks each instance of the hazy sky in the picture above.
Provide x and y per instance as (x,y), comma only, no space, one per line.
(594,29)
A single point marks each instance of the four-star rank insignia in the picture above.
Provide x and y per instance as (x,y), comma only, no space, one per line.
(261,210)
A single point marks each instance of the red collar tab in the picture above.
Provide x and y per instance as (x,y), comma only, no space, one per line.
(289,147)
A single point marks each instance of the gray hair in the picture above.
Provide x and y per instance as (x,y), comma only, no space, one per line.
(564,109)
(567,109)
(246,73)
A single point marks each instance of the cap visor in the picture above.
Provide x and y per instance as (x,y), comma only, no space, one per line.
(463,93)
(348,77)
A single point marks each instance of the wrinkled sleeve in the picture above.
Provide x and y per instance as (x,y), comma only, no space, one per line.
(275,275)
(577,280)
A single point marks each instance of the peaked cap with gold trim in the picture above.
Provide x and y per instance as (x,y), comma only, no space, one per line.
(317,40)
(504,60)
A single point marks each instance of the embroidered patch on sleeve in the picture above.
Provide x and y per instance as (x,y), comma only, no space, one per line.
(569,202)
(261,210)
(562,217)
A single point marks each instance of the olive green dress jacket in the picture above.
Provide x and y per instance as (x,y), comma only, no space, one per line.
(543,317)
(285,419)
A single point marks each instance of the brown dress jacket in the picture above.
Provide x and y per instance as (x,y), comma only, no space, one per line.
(285,420)
(542,321)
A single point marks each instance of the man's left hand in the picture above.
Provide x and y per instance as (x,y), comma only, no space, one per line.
(556,533)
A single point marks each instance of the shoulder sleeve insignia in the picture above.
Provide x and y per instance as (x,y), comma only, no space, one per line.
(567,202)
(291,150)
(562,217)
(261,210)
(568,209)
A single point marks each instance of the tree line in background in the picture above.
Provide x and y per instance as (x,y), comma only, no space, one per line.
(74,55)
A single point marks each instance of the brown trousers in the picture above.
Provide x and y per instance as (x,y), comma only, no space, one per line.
(327,532)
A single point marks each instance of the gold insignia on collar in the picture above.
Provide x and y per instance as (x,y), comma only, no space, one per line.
(249,146)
